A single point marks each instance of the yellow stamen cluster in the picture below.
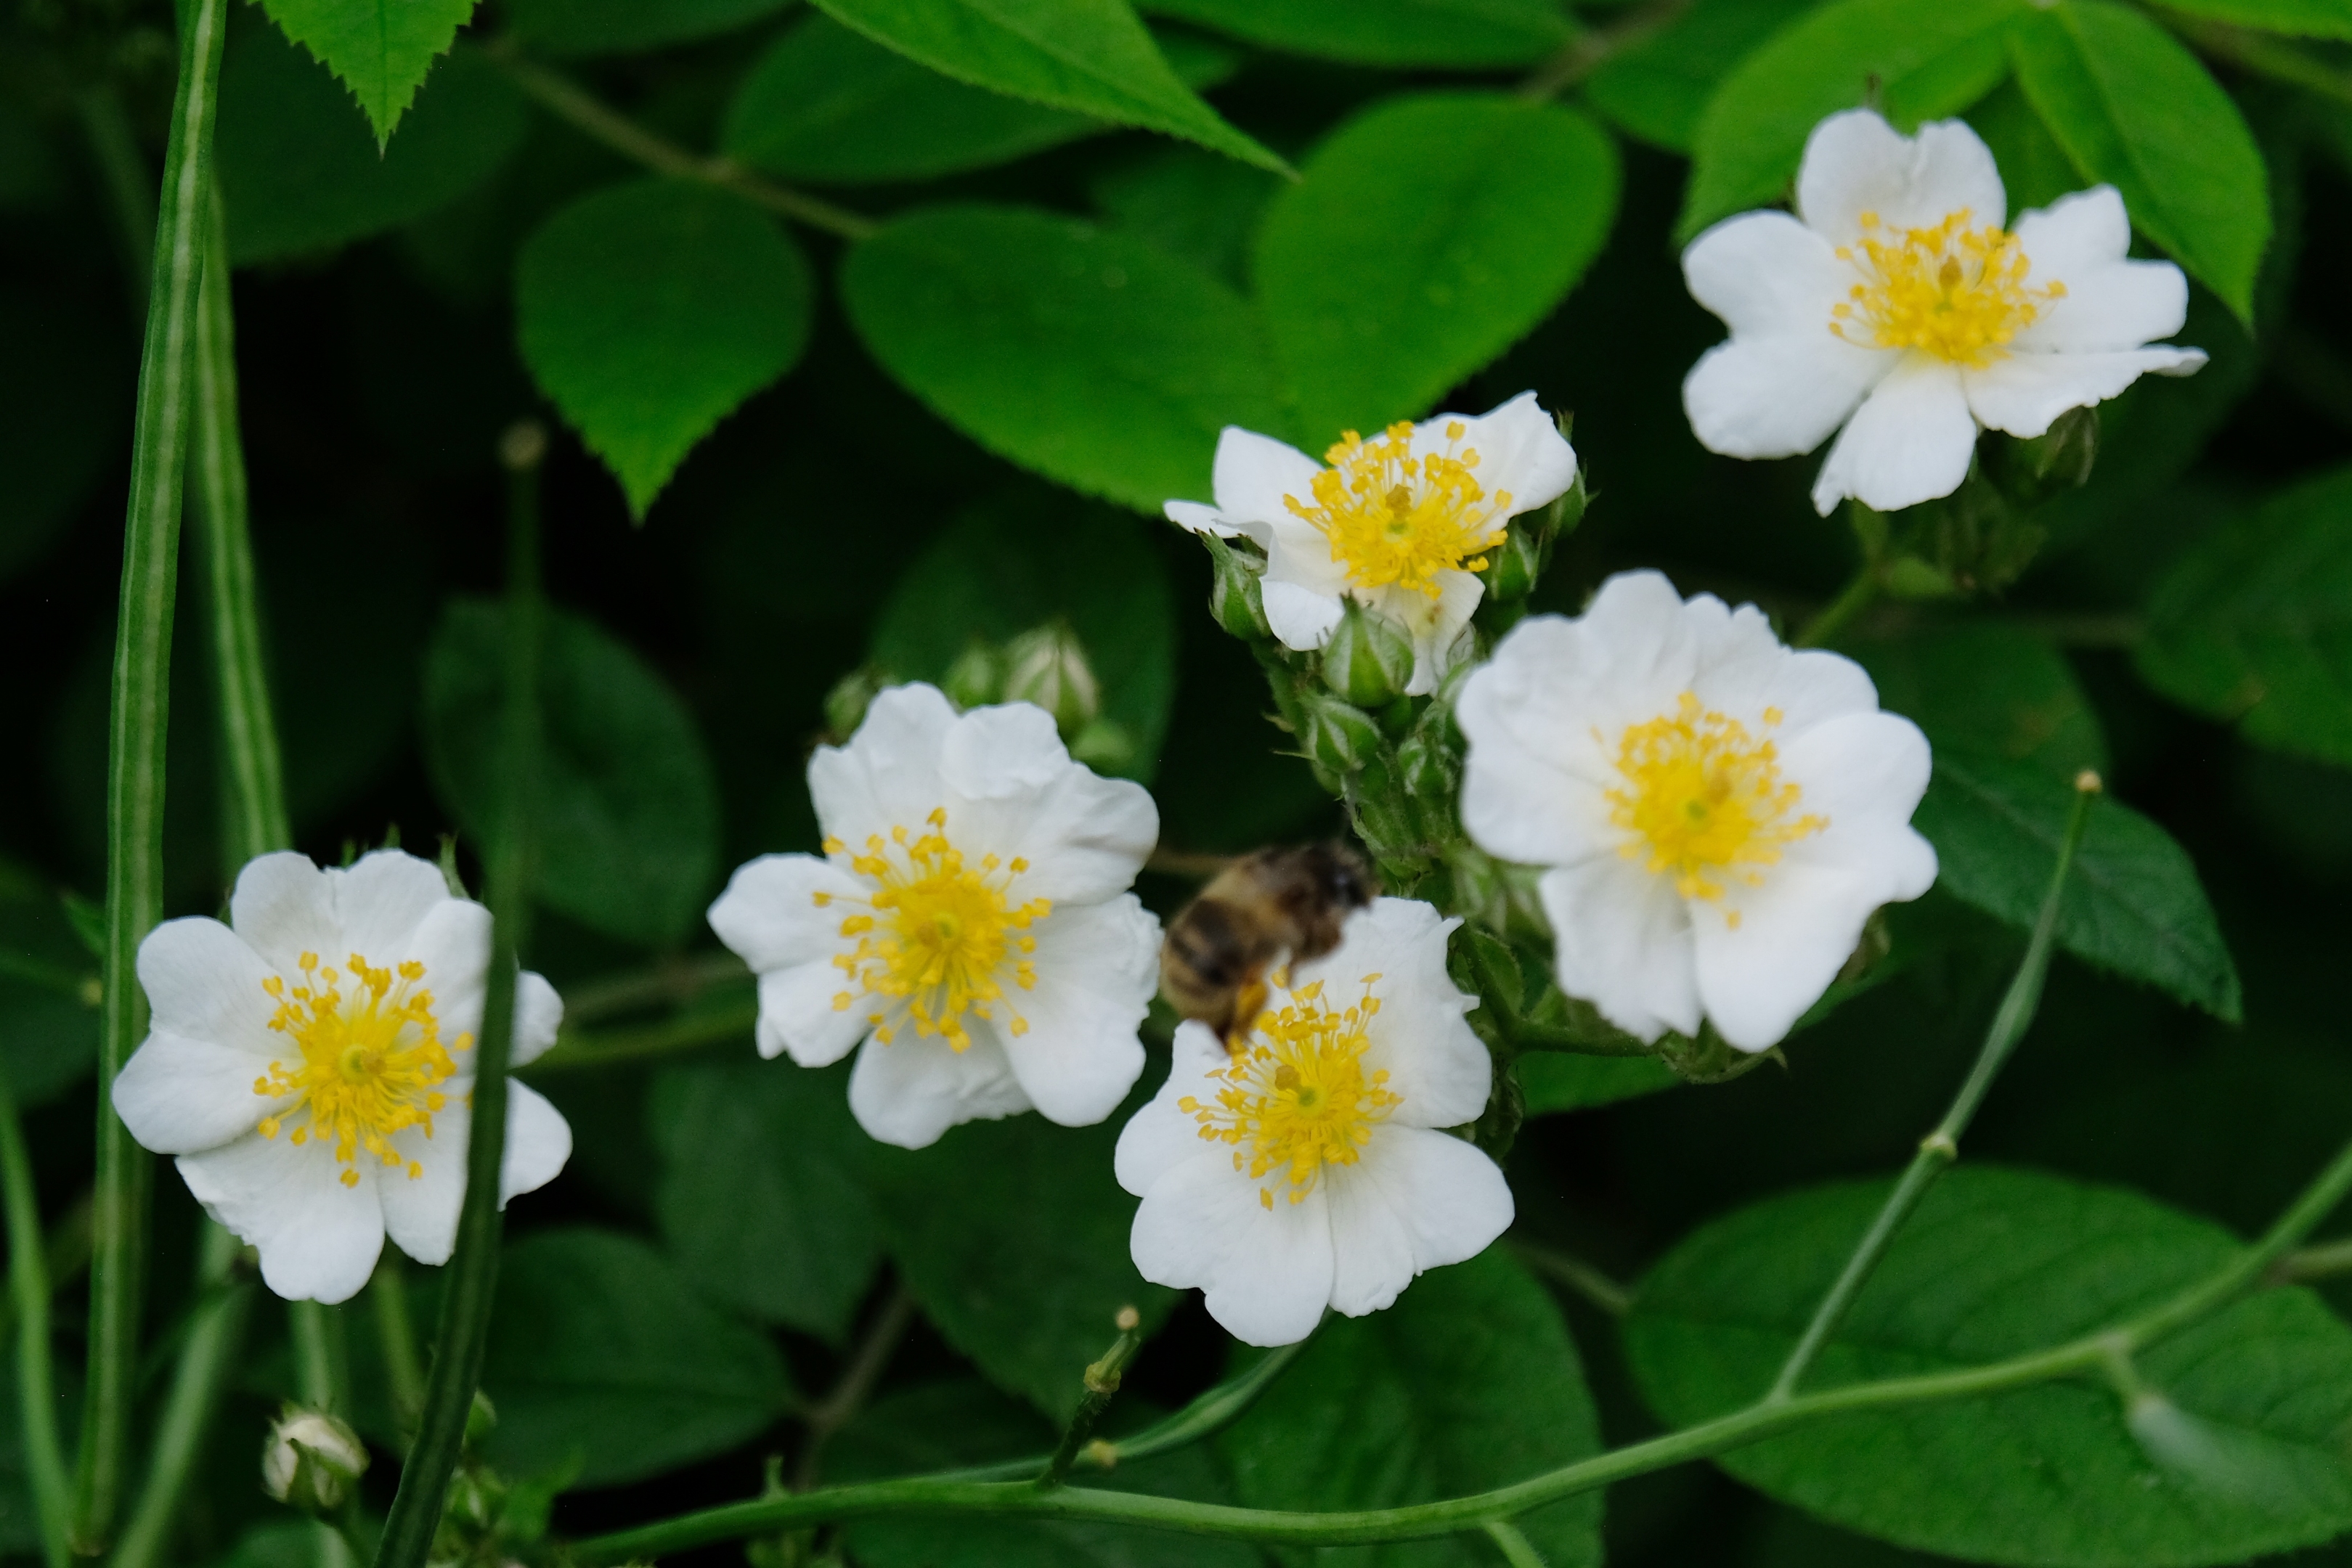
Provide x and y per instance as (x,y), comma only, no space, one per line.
(1395,518)
(1296,1097)
(1956,292)
(1703,800)
(371,1059)
(937,931)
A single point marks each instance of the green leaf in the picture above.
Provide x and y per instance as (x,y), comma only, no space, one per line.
(599,1352)
(1469,1382)
(1930,58)
(1195,207)
(2254,623)
(2299,18)
(1468,33)
(2034,173)
(381,50)
(579,28)
(1092,57)
(1658,88)
(649,311)
(760,1193)
(1091,358)
(1430,234)
(628,813)
(825,103)
(1566,1080)
(1989,690)
(984,579)
(1013,1234)
(1997,1262)
(2135,108)
(2133,904)
(298,175)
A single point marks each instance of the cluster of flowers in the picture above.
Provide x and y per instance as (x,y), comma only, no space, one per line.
(1714,816)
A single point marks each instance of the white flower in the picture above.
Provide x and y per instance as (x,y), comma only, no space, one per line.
(969,922)
(1895,305)
(1719,814)
(309,1064)
(1399,523)
(1307,1171)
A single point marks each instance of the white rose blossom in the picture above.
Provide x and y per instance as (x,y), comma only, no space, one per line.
(969,922)
(1717,814)
(1893,303)
(310,1063)
(1401,523)
(1307,1171)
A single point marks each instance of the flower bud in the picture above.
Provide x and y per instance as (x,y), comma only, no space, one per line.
(1048,666)
(976,677)
(1340,737)
(2029,470)
(1105,745)
(1514,565)
(1369,660)
(1235,597)
(311,1459)
(846,704)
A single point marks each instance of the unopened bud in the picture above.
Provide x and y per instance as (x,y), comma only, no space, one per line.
(976,677)
(1425,766)
(1236,598)
(1512,566)
(846,704)
(1340,737)
(1048,666)
(2033,469)
(1369,659)
(311,1459)
(1105,745)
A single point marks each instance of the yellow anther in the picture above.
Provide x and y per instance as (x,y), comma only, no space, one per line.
(1297,1098)
(1395,518)
(1704,801)
(368,1061)
(1951,291)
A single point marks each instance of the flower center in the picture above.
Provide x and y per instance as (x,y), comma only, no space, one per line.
(1296,1098)
(1395,518)
(370,1061)
(936,930)
(1705,800)
(1956,292)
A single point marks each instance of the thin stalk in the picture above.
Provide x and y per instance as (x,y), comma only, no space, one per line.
(2324,1261)
(674,981)
(1517,1549)
(1939,1148)
(322,1377)
(1102,1379)
(139,714)
(866,1365)
(28,1288)
(216,1330)
(473,1268)
(388,1293)
(1835,617)
(1590,49)
(1578,1275)
(606,1047)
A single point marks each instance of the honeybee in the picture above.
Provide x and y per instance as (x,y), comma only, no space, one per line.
(1274,906)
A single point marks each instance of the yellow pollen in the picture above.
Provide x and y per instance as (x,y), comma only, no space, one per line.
(1296,1098)
(1704,801)
(937,930)
(1952,291)
(1395,518)
(370,1062)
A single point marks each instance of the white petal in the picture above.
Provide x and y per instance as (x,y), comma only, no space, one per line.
(798,1013)
(1266,1273)
(887,776)
(381,901)
(2078,236)
(539,1140)
(1744,670)
(771,915)
(1767,275)
(453,943)
(1416,1200)
(1778,396)
(1534,775)
(284,907)
(1520,450)
(1012,791)
(1622,941)
(203,982)
(420,1212)
(1159,1137)
(1855,163)
(1096,966)
(1435,1062)
(1194,517)
(914,1089)
(1910,441)
(539,1017)
(2024,392)
(1301,618)
(1252,473)
(178,1095)
(318,1238)
(1863,768)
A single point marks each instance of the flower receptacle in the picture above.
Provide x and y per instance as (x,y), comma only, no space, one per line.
(1369,660)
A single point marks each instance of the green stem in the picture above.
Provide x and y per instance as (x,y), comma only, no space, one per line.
(866,1367)
(216,1330)
(674,981)
(388,1292)
(1102,1379)
(140,711)
(1939,1148)
(1833,617)
(322,1379)
(1517,1549)
(606,1047)
(2324,1261)
(28,1288)
(472,1277)
(1589,50)
(1578,1275)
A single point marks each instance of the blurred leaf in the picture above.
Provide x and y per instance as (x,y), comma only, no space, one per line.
(298,175)
(2133,903)
(1013,1234)
(1430,234)
(60,417)
(2034,170)
(1564,1081)
(48,992)
(628,814)
(1658,88)
(1997,1262)
(598,1349)
(1929,58)
(1198,208)
(1463,33)
(985,579)
(825,103)
(649,311)
(1989,690)
(2254,623)
(280,1542)
(620,26)
(1469,1382)
(2135,108)
(760,1196)
(381,50)
(1087,356)
(1093,57)
(2300,18)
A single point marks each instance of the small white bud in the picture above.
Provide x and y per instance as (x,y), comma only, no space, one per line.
(311,1459)
(1048,666)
